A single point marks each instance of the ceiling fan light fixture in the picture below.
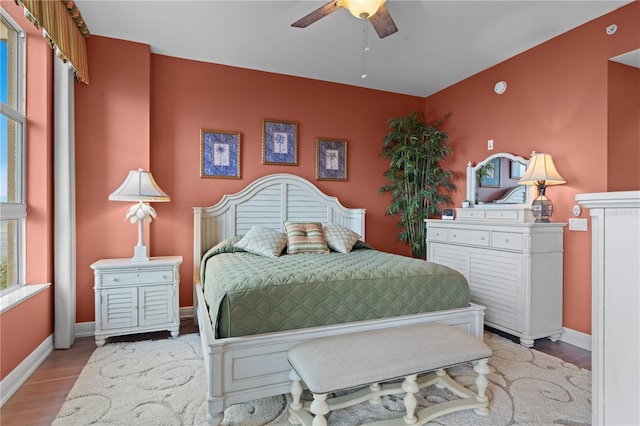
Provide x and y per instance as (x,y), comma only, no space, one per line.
(362,8)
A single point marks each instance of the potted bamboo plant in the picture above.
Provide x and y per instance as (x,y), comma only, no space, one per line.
(418,182)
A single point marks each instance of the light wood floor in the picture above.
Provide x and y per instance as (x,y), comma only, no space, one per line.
(39,399)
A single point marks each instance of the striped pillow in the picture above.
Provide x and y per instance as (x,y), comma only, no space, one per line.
(305,237)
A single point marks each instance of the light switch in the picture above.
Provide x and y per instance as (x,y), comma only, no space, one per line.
(578,224)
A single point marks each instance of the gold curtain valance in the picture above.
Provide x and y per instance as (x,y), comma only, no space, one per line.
(65,28)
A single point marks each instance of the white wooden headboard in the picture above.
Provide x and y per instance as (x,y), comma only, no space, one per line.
(268,201)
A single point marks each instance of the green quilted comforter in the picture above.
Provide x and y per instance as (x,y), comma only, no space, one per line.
(250,294)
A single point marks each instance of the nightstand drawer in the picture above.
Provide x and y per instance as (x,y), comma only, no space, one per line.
(469,236)
(506,240)
(136,277)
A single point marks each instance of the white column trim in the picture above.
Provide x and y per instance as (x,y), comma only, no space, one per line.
(64,239)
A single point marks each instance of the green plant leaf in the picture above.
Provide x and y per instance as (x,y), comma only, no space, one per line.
(418,182)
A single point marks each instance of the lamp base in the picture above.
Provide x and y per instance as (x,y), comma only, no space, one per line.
(140,254)
(542,208)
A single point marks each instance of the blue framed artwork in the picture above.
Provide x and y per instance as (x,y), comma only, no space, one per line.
(219,154)
(279,142)
(491,176)
(331,159)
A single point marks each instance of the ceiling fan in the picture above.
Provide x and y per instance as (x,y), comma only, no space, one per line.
(373,10)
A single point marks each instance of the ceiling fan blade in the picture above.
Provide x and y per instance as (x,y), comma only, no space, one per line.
(383,23)
(317,14)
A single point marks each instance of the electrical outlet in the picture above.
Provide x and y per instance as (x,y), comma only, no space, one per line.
(490,144)
(577,224)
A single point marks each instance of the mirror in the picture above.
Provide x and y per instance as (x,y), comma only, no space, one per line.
(493,182)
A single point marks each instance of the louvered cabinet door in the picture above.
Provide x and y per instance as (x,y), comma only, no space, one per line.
(497,283)
(155,305)
(136,297)
(119,308)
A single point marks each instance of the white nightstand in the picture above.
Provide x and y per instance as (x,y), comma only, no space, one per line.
(136,297)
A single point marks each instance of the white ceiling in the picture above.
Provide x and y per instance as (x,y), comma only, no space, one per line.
(438,43)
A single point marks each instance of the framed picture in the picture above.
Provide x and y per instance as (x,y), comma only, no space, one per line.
(331,159)
(491,174)
(279,142)
(517,170)
(219,154)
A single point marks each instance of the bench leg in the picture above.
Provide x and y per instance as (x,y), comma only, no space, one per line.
(410,386)
(482,369)
(440,373)
(376,400)
(319,408)
(296,393)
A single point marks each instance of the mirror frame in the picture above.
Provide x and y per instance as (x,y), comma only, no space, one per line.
(531,190)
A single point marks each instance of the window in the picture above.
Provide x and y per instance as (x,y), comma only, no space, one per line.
(13,211)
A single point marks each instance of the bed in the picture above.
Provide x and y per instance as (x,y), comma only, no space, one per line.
(246,363)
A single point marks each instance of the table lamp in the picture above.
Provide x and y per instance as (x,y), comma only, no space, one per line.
(139,186)
(542,173)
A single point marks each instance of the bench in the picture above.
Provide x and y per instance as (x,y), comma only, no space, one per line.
(373,359)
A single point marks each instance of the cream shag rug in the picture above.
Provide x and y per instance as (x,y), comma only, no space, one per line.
(161,382)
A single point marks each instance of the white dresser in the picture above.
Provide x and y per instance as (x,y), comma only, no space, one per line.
(615,275)
(136,297)
(514,269)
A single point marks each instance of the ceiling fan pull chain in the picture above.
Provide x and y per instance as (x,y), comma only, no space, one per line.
(365,48)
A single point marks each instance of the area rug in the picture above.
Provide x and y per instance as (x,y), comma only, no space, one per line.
(161,382)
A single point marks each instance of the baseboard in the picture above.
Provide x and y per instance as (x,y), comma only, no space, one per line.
(577,338)
(186,312)
(12,382)
(86,329)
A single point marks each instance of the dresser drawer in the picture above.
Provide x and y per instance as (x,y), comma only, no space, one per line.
(437,234)
(116,278)
(506,240)
(503,215)
(469,236)
(471,214)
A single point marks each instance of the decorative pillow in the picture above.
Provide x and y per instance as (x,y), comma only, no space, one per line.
(339,238)
(263,241)
(305,237)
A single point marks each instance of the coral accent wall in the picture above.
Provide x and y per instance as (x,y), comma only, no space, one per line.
(149,114)
(112,137)
(623,130)
(556,102)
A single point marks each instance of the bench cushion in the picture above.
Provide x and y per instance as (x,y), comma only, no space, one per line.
(329,364)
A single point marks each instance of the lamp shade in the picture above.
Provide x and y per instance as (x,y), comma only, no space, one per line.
(541,169)
(362,8)
(139,186)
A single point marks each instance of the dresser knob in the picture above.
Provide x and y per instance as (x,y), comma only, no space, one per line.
(506,240)
(454,235)
(481,238)
(114,280)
